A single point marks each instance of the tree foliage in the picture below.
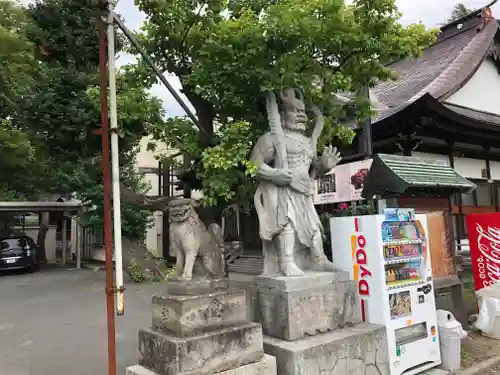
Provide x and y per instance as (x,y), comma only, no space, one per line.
(458,11)
(226,53)
(17,62)
(64,110)
(50,109)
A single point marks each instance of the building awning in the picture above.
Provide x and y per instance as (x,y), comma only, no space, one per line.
(40,206)
(394,175)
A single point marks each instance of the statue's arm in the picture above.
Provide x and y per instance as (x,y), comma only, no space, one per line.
(262,156)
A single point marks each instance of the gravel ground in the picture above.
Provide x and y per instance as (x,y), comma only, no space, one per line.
(490,371)
(478,348)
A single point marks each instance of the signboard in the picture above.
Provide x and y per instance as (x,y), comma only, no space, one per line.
(343,183)
(484,243)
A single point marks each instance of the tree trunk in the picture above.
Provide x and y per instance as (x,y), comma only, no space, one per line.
(42,234)
(204,110)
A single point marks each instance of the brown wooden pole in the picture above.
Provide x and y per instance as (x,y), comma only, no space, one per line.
(106,177)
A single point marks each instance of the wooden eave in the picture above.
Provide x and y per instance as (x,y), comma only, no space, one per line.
(449,123)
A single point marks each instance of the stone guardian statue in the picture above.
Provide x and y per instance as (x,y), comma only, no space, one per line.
(290,228)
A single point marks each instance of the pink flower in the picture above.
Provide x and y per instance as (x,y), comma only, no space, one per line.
(343,206)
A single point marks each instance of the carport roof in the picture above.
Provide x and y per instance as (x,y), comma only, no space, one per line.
(40,206)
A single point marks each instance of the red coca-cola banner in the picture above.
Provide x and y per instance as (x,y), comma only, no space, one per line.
(484,241)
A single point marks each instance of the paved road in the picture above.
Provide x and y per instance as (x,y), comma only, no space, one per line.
(53,323)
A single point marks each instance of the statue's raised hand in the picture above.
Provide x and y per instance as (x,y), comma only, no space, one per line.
(330,158)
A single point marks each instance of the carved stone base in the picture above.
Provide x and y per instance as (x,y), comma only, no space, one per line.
(266,366)
(351,351)
(196,286)
(190,315)
(292,308)
(209,353)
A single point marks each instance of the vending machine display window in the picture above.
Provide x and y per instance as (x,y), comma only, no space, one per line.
(411,333)
(403,251)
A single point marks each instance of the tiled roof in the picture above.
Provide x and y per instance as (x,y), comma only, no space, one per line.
(441,70)
(485,117)
(394,174)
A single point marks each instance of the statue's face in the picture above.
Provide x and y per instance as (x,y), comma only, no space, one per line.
(295,117)
(180,209)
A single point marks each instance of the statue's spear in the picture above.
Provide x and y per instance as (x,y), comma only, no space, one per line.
(281,161)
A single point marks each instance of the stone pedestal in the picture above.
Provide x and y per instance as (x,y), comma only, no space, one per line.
(292,308)
(201,328)
(360,350)
(312,327)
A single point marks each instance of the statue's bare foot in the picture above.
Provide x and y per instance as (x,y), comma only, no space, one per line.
(323,264)
(185,277)
(328,266)
(290,269)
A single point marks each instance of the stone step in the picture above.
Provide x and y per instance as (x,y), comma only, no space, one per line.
(251,264)
(266,366)
(245,270)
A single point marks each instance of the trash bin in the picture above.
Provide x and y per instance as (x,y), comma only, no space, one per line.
(450,335)
(488,320)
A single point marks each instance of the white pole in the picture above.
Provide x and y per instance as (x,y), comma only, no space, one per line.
(64,237)
(115,167)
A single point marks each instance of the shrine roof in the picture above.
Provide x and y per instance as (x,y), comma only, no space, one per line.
(392,175)
(443,68)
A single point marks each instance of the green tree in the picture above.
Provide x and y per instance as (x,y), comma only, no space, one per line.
(227,53)
(458,11)
(17,61)
(63,111)
(19,155)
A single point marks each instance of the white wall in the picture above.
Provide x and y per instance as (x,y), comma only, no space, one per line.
(147,159)
(444,159)
(469,168)
(482,91)
(495,170)
(154,234)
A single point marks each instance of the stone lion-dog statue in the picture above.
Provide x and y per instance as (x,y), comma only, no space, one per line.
(199,250)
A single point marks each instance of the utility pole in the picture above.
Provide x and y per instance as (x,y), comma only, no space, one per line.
(366,125)
(115,165)
(104,131)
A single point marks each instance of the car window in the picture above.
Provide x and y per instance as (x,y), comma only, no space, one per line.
(12,243)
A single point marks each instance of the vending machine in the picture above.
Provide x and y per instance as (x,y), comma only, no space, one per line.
(388,257)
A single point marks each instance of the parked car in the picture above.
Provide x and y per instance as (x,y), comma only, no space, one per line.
(17,251)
